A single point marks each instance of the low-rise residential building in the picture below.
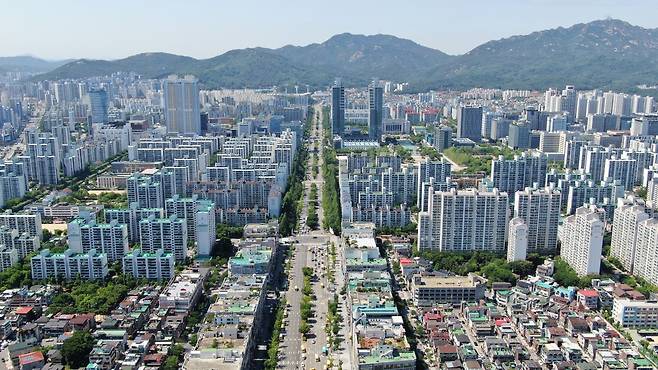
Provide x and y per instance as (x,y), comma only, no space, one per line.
(184,292)
(249,261)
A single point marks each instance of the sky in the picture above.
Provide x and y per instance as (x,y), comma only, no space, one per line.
(202,28)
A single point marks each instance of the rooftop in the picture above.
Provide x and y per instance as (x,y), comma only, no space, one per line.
(448,281)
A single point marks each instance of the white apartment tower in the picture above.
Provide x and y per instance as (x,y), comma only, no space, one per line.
(169,234)
(205,227)
(627,220)
(517,242)
(466,220)
(581,235)
(181,105)
(622,169)
(540,211)
(510,175)
(85,234)
(646,253)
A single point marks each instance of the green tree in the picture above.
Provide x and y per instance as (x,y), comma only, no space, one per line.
(171,363)
(522,268)
(76,349)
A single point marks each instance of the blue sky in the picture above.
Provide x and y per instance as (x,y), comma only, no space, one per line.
(118,28)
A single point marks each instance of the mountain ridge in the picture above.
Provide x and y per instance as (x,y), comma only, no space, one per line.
(607,53)
(28,63)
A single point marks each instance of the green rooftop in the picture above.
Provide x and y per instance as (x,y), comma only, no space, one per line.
(402,356)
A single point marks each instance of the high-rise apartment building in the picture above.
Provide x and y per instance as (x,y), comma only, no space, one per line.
(145,191)
(29,223)
(517,241)
(525,170)
(622,169)
(581,192)
(625,225)
(592,160)
(465,220)
(581,235)
(438,170)
(540,211)
(181,105)
(111,239)
(205,227)
(169,234)
(645,264)
(652,190)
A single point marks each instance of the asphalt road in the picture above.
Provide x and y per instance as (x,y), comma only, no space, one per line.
(307,245)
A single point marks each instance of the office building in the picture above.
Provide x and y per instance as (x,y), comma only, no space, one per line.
(499,128)
(540,211)
(375,111)
(549,142)
(337,108)
(519,136)
(150,266)
(464,221)
(442,138)
(429,290)
(98,105)
(581,235)
(517,241)
(469,123)
(181,105)
(69,265)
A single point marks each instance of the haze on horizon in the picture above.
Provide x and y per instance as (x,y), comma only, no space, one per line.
(204,28)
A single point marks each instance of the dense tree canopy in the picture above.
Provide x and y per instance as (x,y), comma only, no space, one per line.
(76,349)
